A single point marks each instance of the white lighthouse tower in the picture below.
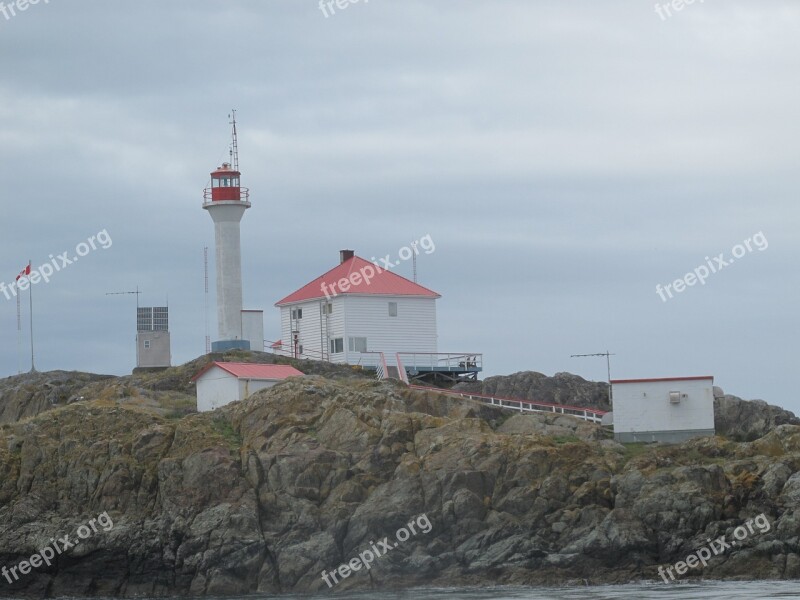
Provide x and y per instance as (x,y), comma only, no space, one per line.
(226,202)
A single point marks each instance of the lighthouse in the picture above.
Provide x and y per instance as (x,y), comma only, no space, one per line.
(226,201)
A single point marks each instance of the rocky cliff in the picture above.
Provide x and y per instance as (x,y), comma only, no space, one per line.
(32,393)
(267,494)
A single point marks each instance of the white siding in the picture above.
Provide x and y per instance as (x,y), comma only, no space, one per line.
(248,387)
(286,338)
(412,330)
(641,407)
(216,388)
(315,329)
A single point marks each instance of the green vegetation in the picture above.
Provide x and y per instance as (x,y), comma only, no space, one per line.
(635,450)
(566,439)
(224,427)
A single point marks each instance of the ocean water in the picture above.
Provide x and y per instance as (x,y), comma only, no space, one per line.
(738,590)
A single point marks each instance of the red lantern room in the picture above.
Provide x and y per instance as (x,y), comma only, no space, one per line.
(225,186)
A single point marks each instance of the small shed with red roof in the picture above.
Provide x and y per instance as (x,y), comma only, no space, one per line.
(220,383)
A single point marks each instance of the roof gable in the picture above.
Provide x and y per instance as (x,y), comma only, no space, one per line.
(363,278)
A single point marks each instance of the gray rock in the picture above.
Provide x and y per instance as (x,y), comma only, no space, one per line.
(748,420)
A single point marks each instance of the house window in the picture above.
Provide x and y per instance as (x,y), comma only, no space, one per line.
(392,309)
(357,344)
(297,313)
(147,344)
(327,309)
(337,345)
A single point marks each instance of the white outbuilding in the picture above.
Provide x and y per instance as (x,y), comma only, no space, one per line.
(671,409)
(221,383)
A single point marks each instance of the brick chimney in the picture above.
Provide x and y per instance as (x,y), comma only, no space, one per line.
(345,255)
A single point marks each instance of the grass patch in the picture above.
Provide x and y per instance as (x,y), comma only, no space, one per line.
(566,439)
(176,406)
(223,427)
(635,450)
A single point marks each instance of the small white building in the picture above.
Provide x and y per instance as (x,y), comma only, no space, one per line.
(220,383)
(670,409)
(355,312)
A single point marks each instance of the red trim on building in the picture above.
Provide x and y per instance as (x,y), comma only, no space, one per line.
(655,380)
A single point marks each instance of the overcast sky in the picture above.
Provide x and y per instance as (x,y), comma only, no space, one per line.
(565,157)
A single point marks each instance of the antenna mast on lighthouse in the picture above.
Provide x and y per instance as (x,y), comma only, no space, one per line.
(235,142)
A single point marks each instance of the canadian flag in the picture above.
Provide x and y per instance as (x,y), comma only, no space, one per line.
(25,272)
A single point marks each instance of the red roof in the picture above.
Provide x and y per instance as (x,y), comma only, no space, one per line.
(363,278)
(252,371)
(699,378)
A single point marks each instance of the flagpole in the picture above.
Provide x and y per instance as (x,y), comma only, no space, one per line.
(19,335)
(30,295)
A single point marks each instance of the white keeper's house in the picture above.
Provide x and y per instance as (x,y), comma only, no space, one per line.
(670,409)
(360,314)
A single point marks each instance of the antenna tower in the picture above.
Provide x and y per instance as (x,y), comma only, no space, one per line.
(234,142)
